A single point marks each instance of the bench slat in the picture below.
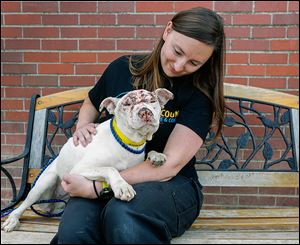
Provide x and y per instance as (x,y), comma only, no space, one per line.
(249,179)
(247,223)
(232,90)
(251,213)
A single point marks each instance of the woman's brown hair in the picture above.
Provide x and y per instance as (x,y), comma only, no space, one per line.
(205,26)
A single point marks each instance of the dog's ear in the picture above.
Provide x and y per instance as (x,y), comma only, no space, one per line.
(163,96)
(110,104)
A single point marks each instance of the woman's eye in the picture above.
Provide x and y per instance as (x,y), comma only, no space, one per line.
(177,52)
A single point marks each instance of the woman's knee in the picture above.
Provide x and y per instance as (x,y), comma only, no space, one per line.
(80,222)
(122,223)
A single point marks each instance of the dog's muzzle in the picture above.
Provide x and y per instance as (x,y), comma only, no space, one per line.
(145,114)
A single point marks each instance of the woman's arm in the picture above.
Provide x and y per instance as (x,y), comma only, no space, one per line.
(181,146)
(85,126)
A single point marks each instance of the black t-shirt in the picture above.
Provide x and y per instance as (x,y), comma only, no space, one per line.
(190,107)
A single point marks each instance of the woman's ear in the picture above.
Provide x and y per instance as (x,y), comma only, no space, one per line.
(167,30)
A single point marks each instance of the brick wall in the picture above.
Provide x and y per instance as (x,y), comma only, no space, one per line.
(53,46)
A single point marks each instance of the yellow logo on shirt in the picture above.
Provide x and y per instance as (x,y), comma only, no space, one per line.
(167,116)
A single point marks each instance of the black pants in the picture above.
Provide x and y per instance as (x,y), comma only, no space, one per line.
(159,211)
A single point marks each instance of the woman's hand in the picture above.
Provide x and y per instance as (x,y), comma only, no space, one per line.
(79,186)
(84,134)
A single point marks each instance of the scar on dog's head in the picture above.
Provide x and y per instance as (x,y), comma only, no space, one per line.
(163,96)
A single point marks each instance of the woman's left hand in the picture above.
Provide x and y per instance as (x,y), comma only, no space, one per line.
(78,186)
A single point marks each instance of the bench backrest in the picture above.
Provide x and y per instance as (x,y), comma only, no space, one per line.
(256,119)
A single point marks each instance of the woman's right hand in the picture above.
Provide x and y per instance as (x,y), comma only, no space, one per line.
(83,135)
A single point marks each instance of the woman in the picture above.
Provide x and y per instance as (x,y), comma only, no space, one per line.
(188,61)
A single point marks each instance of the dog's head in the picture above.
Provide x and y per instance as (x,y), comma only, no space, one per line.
(139,110)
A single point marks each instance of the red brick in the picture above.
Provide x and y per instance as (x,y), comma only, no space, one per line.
(89,69)
(276,6)
(40,6)
(154,6)
(97,45)
(11,104)
(99,19)
(246,70)
(117,32)
(287,201)
(56,69)
(59,19)
(11,56)
(59,44)
(233,6)
(16,138)
(11,32)
(10,6)
(237,32)
(257,200)
(250,45)
(11,81)
(268,32)
(149,32)
(251,19)
(77,32)
(286,19)
(49,32)
(41,57)
(106,57)
(135,19)
(23,19)
(285,45)
(40,81)
(221,199)
(77,80)
(86,6)
(182,5)
(79,57)
(19,69)
(282,70)
(115,7)
(135,44)
(16,116)
(237,58)
(21,92)
(268,58)
(22,44)
(269,83)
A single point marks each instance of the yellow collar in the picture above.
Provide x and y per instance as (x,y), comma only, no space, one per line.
(123,138)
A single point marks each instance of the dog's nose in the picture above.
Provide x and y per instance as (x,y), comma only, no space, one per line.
(145,114)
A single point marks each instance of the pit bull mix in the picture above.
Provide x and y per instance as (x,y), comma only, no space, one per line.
(118,144)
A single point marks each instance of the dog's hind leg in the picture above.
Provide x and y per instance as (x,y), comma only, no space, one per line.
(46,181)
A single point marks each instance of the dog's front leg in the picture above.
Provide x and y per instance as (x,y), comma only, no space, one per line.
(46,181)
(122,190)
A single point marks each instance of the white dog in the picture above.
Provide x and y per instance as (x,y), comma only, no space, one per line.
(118,144)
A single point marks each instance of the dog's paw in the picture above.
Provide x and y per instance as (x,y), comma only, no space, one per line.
(156,158)
(10,224)
(123,191)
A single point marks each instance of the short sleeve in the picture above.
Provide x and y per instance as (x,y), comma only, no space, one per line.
(98,92)
(197,114)
(115,79)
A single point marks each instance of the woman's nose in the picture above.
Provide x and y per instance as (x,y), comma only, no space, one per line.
(179,65)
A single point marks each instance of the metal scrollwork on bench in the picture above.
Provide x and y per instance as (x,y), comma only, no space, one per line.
(59,125)
(242,145)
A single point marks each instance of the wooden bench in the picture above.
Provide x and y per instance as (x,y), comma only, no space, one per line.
(243,157)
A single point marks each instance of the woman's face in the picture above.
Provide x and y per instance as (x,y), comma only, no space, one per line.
(181,55)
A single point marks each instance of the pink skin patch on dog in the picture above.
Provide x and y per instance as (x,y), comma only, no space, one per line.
(137,97)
